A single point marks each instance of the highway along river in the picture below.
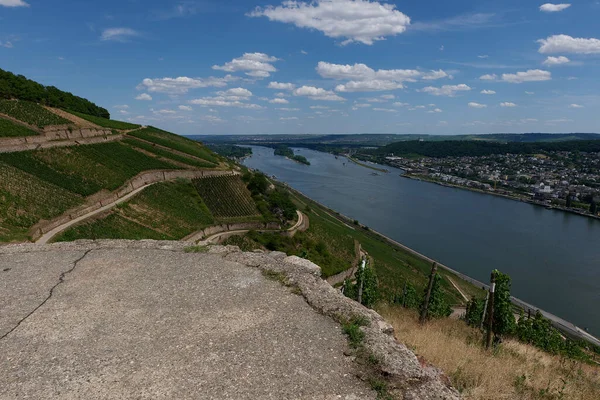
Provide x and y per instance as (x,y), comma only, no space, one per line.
(553,257)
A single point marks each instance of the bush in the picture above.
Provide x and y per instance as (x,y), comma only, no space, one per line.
(438,307)
(504,318)
(474,313)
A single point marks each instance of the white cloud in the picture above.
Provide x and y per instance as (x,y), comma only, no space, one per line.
(319,107)
(13,3)
(212,119)
(235,93)
(488,77)
(487,92)
(144,96)
(369,86)
(532,75)
(6,44)
(568,44)
(185,108)
(549,7)
(550,61)
(121,107)
(166,111)
(436,110)
(390,110)
(279,101)
(223,102)
(575,106)
(529,93)
(559,120)
(360,21)
(288,109)
(281,86)
(182,84)
(477,105)
(315,93)
(433,75)
(304,52)
(256,65)
(118,34)
(361,105)
(446,90)
(507,104)
(288,118)
(483,56)
(399,104)
(388,96)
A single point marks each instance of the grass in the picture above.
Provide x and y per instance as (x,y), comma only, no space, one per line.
(106,123)
(159,151)
(85,170)
(513,371)
(166,210)
(176,142)
(31,113)
(196,249)
(10,129)
(226,196)
(24,200)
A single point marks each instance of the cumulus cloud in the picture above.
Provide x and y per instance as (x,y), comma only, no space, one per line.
(549,7)
(212,119)
(13,3)
(477,105)
(360,21)
(281,86)
(532,75)
(567,44)
(279,101)
(315,93)
(433,75)
(288,109)
(369,86)
(399,104)
(488,77)
(446,90)
(388,96)
(182,84)
(144,96)
(118,34)
(235,93)
(550,61)
(575,106)
(529,93)
(185,108)
(507,104)
(288,118)
(361,105)
(256,65)
(435,110)
(487,92)
(390,110)
(235,97)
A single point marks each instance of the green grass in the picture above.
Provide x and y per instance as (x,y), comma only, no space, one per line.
(176,142)
(226,196)
(114,226)
(166,210)
(87,169)
(159,151)
(24,200)
(10,129)
(31,113)
(106,123)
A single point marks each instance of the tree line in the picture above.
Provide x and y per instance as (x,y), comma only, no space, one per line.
(19,87)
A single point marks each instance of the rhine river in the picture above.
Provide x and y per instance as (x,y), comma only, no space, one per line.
(553,257)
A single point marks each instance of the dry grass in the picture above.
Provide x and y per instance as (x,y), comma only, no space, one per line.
(513,371)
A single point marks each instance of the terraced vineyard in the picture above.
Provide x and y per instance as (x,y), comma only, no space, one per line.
(106,123)
(10,129)
(25,199)
(226,196)
(166,210)
(31,113)
(159,151)
(176,142)
(85,170)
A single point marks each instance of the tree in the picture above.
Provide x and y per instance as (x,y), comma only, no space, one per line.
(594,208)
(504,319)
(569,200)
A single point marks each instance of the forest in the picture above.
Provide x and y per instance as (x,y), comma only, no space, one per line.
(19,87)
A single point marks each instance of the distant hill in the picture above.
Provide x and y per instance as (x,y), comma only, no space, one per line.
(19,87)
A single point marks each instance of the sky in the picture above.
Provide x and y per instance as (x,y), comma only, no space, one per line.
(322,66)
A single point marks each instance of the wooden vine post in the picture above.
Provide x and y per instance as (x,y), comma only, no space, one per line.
(490,312)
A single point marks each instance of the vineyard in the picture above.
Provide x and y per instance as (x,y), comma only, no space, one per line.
(226,196)
(166,210)
(10,129)
(176,142)
(159,151)
(106,123)
(31,113)
(24,200)
(85,170)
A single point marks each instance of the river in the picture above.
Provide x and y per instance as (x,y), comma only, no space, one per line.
(553,257)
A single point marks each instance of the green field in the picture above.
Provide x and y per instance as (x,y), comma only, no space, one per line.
(176,142)
(166,210)
(106,123)
(85,170)
(10,129)
(24,200)
(226,196)
(31,113)
(159,151)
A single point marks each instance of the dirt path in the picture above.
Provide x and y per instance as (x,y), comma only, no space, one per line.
(80,122)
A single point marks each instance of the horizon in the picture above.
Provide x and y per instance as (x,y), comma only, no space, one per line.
(200,67)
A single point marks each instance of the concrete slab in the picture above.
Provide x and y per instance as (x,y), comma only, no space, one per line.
(154,323)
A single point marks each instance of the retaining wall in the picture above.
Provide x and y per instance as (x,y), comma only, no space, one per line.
(140,180)
(12,145)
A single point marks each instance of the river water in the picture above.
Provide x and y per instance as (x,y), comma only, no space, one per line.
(553,257)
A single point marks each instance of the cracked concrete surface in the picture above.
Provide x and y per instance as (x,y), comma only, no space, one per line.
(102,322)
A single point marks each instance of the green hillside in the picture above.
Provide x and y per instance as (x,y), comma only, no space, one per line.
(31,113)
(10,129)
(226,196)
(106,123)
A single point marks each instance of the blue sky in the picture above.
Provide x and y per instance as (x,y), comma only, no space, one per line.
(327,66)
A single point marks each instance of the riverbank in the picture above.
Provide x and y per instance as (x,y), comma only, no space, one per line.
(505,196)
(355,161)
